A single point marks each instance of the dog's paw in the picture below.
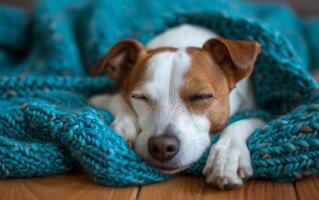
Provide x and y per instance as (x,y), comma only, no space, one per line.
(127,128)
(228,165)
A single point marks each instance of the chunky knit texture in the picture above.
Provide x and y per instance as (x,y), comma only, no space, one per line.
(47,127)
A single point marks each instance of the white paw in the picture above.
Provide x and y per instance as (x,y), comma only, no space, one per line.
(228,164)
(127,128)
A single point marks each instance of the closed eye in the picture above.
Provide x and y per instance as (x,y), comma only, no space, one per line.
(140,97)
(200,97)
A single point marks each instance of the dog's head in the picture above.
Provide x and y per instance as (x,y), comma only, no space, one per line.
(179,95)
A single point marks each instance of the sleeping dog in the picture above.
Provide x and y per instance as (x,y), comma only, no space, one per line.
(175,91)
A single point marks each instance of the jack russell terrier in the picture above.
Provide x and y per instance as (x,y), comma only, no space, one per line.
(177,90)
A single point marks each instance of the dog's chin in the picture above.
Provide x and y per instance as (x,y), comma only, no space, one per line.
(170,170)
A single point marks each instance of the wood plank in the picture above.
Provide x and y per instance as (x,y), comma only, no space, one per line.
(78,186)
(195,188)
(253,190)
(308,188)
(73,186)
(181,187)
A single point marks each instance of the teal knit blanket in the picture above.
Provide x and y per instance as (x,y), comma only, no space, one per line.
(48,128)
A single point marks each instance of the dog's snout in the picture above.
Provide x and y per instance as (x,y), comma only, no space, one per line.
(163,147)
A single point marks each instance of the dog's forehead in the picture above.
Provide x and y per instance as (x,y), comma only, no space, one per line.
(165,72)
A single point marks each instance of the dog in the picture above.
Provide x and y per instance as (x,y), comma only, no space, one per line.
(177,90)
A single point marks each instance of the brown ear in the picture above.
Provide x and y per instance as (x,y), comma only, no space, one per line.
(120,59)
(237,58)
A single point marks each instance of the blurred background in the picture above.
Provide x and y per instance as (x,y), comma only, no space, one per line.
(305,8)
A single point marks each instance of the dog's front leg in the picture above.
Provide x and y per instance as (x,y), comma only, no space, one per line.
(228,163)
(125,120)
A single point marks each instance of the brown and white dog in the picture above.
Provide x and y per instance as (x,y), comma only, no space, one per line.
(177,90)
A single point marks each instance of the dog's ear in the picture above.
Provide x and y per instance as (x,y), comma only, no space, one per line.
(120,59)
(237,58)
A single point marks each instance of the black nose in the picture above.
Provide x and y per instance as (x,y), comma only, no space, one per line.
(163,147)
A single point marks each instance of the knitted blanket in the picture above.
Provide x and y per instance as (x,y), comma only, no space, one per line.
(48,128)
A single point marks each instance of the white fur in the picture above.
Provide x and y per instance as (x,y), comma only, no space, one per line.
(242,96)
(228,163)
(165,77)
(182,36)
(229,160)
(125,120)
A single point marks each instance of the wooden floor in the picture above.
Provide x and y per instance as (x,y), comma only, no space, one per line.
(77,186)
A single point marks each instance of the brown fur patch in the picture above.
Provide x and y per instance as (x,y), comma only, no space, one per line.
(206,77)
